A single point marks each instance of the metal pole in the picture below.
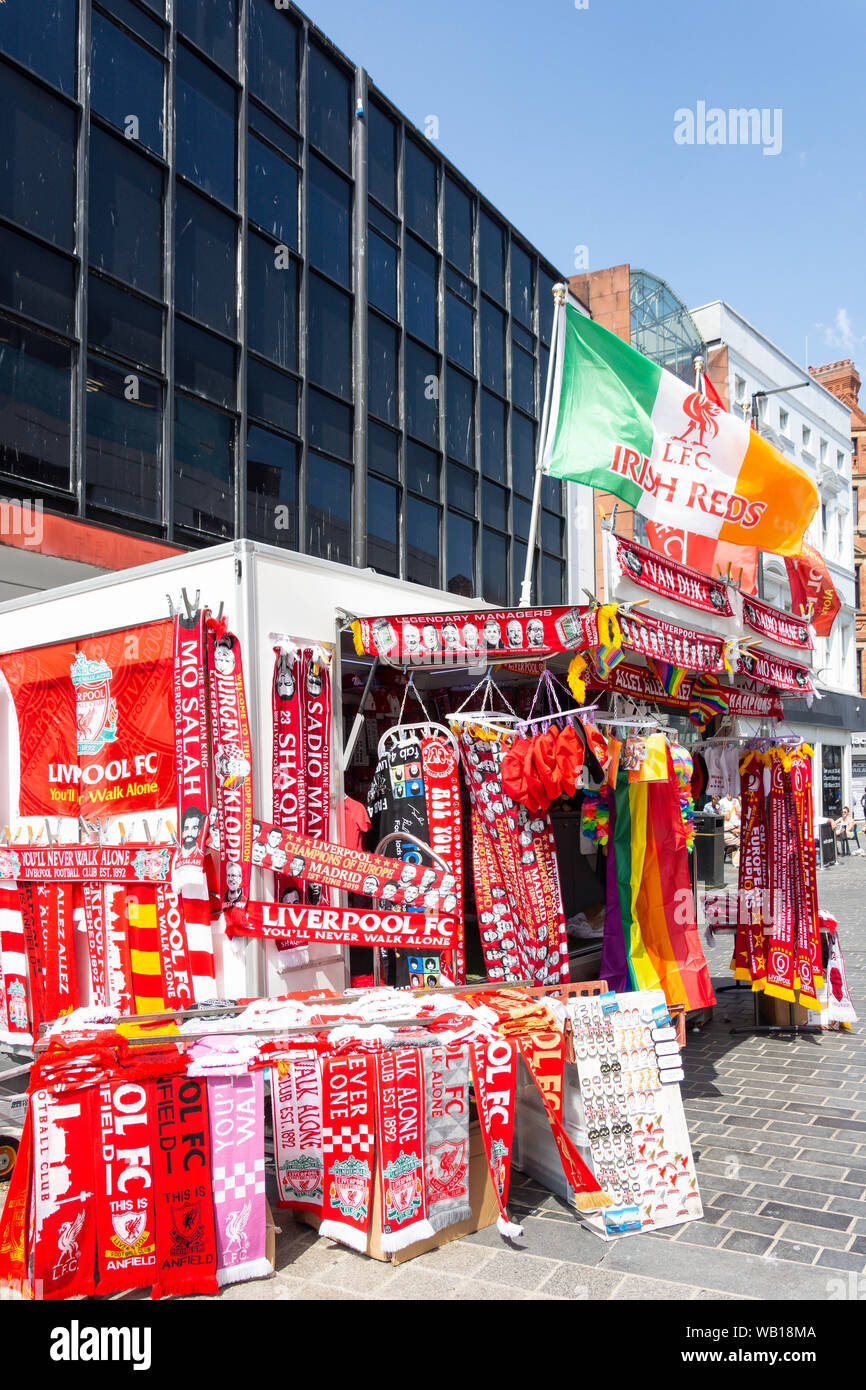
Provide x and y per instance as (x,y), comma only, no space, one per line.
(559,293)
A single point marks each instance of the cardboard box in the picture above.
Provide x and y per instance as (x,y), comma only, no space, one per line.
(778,1011)
(482,1199)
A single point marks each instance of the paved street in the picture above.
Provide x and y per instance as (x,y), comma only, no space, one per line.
(778,1127)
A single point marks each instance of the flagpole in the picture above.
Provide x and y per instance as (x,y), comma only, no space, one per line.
(559,294)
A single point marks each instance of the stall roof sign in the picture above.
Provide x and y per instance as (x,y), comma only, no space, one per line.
(471,636)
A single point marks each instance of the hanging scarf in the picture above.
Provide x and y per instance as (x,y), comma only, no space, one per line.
(14,1225)
(64,1182)
(173,954)
(34,946)
(807,962)
(233,782)
(544,1055)
(629,851)
(614,956)
(192,758)
(14,1018)
(235,1105)
(52,907)
(118,964)
(708,698)
(186,1254)
(126,1247)
(148,980)
(840,1009)
(753,889)
(89,900)
(289,785)
(348,1084)
(446,1116)
(296,1097)
(195,905)
(316,701)
(400,1146)
(670,677)
(494,1077)
(781,982)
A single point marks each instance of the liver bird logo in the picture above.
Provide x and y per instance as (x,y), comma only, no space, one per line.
(236,1228)
(701,415)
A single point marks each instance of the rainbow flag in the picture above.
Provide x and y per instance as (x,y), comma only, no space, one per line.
(625,425)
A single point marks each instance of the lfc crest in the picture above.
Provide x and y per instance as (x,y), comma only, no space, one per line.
(350,1189)
(95,710)
(130,1235)
(187,1229)
(446,1173)
(304,1175)
(403,1187)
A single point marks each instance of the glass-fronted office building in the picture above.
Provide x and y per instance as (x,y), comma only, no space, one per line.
(240,295)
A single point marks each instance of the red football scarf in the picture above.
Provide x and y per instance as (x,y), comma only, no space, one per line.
(148,976)
(186,1256)
(348,1087)
(173,955)
(296,1097)
(783,850)
(93,911)
(544,1055)
(124,1203)
(400,1146)
(289,791)
(808,952)
(64,1181)
(191,755)
(753,897)
(14,1219)
(52,910)
(195,904)
(33,947)
(230,730)
(316,698)
(494,1077)
(14,1019)
(118,964)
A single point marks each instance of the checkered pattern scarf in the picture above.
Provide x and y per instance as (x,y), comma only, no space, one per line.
(237,1133)
(348,1089)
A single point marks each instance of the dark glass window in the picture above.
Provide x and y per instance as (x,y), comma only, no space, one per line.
(382,221)
(383,450)
(551,532)
(124,427)
(36,282)
(272,302)
(37,159)
(329,337)
(126,83)
(458,226)
(521,285)
(204,468)
(459,284)
(383,526)
(125,224)
(458,331)
(492,437)
(494,505)
(552,577)
(272,396)
(206,127)
(420,192)
(122,323)
(523,379)
(523,453)
(272,130)
(551,494)
(329,243)
(382,156)
(213,28)
(330,97)
(545,305)
(135,19)
(35,385)
(522,512)
(520,335)
(329,510)
(422,542)
(422,470)
(495,565)
(460,417)
(206,260)
(382,274)
(272,60)
(461,488)
(460,578)
(422,393)
(329,425)
(492,257)
(272,192)
(204,364)
(41,35)
(421,313)
(492,346)
(272,488)
(382,369)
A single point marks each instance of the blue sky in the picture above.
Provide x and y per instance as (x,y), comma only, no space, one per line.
(564,118)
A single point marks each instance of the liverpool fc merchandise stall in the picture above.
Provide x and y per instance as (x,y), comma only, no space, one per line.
(258,841)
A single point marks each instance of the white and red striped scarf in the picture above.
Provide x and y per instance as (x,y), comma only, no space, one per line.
(191,751)
(14,1016)
(232,749)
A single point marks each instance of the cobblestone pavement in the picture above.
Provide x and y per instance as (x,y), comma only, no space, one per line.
(778,1128)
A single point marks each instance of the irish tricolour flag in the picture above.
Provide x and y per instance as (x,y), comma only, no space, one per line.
(622,424)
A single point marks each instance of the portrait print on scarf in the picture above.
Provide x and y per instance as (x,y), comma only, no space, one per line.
(520,910)
(416,791)
(232,754)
